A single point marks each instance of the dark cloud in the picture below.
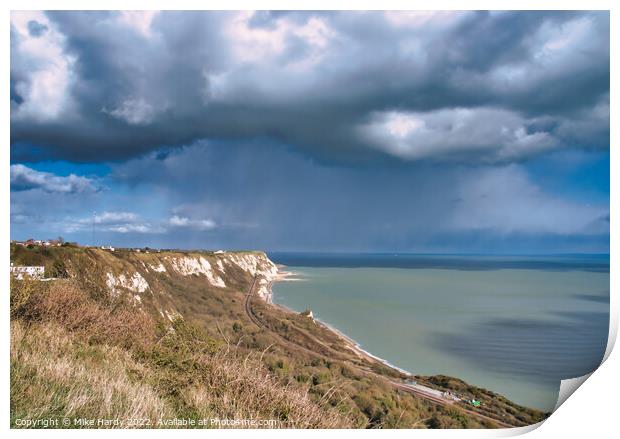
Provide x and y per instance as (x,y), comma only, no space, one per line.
(328,131)
(262,195)
(270,196)
(123,84)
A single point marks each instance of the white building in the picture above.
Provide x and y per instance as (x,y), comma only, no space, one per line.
(35,272)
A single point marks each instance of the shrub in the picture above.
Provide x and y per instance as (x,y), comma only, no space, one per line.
(321,378)
(21,295)
(65,303)
(57,270)
(369,407)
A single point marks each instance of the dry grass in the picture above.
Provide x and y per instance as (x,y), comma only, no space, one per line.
(244,390)
(73,357)
(53,375)
(65,303)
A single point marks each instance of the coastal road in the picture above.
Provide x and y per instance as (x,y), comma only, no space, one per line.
(247,305)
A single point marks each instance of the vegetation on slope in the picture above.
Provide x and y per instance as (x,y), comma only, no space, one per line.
(73,357)
(214,362)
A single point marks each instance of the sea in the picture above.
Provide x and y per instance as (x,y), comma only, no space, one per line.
(516,325)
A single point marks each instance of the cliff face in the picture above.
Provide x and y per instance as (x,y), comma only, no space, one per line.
(148,277)
(213,268)
(155,281)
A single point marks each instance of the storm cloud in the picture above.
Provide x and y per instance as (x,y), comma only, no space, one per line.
(327,131)
(475,86)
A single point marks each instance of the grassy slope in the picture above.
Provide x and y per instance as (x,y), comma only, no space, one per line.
(320,384)
(74,357)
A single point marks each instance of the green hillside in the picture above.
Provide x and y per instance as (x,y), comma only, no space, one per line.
(172,339)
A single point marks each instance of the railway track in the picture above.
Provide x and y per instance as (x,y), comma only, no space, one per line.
(248,307)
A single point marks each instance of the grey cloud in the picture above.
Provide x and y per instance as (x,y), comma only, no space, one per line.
(503,200)
(493,134)
(268,196)
(19,215)
(114,217)
(111,221)
(311,79)
(129,222)
(24,178)
(185,222)
(134,112)
(280,199)
(36,29)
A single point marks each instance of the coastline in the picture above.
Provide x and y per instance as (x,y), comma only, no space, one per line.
(322,292)
(403,380)
(361,351)
(287,276)
(356,347)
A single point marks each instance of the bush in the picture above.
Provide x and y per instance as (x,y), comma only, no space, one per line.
(64,303)
(57,270)
(21,295)
(369,407)
(321,378)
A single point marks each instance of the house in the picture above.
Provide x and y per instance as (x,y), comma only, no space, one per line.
(21,271)
(46,243)
(107,247)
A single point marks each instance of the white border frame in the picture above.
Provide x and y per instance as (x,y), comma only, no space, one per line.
(589,412)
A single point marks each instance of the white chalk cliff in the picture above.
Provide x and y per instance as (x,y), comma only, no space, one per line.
(214,268)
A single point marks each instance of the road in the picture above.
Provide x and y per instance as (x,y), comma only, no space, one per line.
(247,305)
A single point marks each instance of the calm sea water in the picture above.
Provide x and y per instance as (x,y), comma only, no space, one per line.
(514,325)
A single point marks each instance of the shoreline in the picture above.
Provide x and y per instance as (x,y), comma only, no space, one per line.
(357,348)
(290,276)
(286,276)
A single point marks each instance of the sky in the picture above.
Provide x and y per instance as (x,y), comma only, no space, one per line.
(423,132)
